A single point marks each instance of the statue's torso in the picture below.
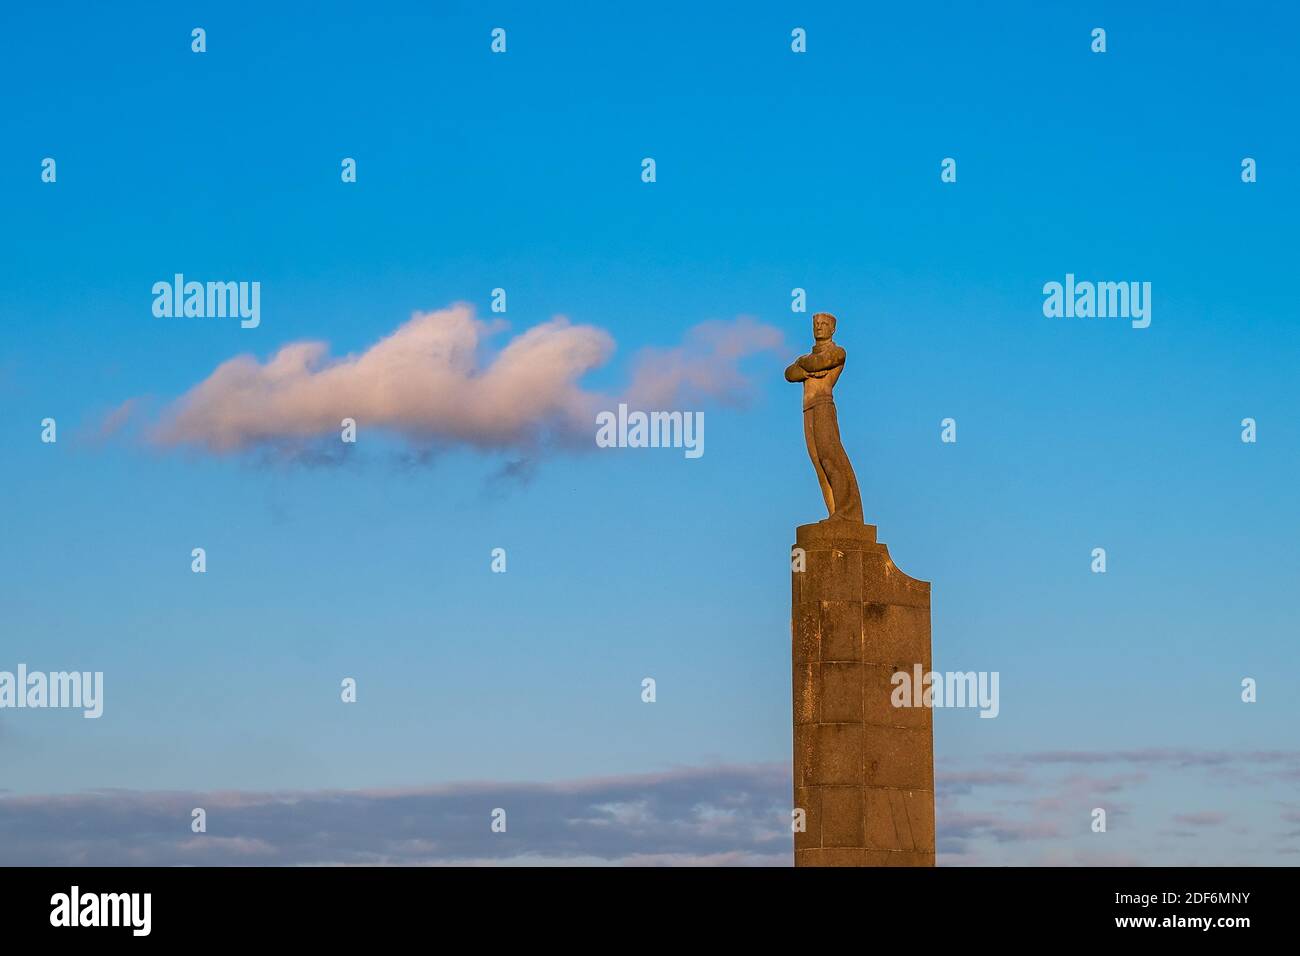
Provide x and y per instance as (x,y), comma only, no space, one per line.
(817,389)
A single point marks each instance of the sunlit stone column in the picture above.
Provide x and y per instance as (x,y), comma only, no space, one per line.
(863,769)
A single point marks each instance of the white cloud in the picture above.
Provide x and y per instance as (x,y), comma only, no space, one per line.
(432,382)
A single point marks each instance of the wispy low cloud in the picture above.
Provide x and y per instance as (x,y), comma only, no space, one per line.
(964,782)
(1040,808)
(435,381)
(704,367)
(1204,818)
(1166,756)
(728,815)
(957,825)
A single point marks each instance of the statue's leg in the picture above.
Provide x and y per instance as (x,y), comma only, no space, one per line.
(835,464)
(810,438)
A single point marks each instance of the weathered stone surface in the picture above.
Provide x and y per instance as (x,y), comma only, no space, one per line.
(841,693)
(837,755)
(894,634)
(807,693)
(841,630)
(863,769)
(807,633)
(897,757)
(877,693)
(842,817)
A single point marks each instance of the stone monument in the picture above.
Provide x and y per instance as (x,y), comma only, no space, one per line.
(863,768)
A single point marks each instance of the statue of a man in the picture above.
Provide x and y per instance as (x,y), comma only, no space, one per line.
(819,370)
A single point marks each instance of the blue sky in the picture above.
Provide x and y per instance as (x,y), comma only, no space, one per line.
(774,171)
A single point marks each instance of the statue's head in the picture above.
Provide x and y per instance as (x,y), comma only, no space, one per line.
(823,326)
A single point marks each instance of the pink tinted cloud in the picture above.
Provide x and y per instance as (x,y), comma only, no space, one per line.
(1202,818)
(430,380)
(703,367)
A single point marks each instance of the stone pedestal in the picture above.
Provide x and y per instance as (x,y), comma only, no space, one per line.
(863,769)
